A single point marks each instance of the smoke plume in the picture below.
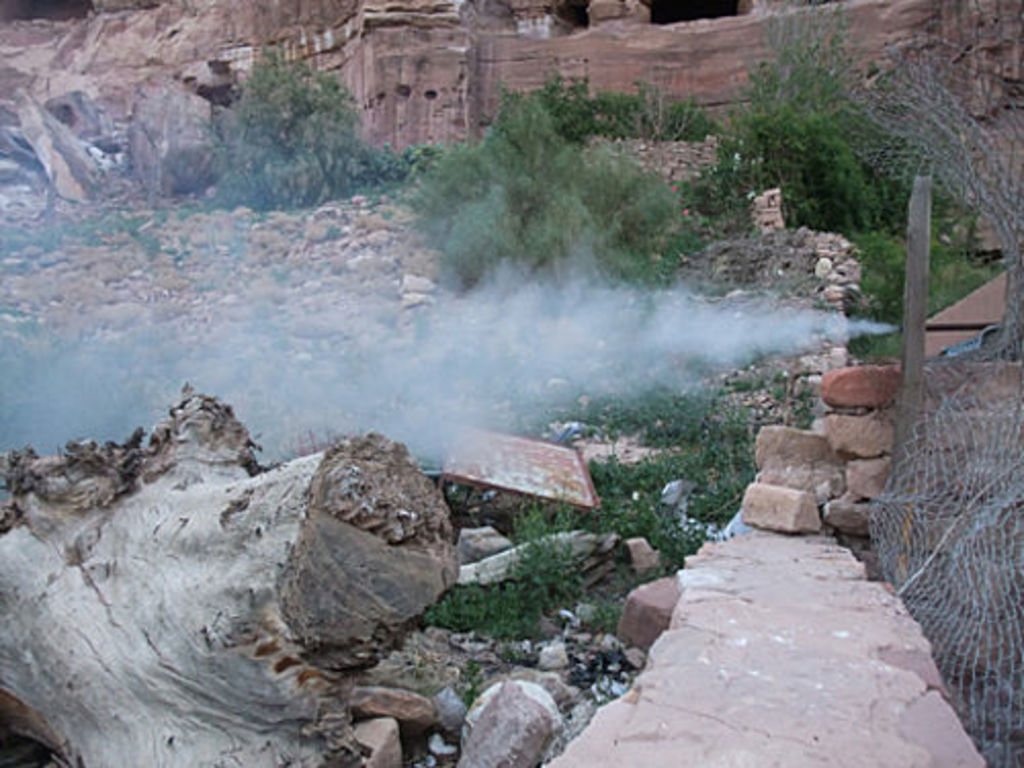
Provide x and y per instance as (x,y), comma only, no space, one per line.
(506,349)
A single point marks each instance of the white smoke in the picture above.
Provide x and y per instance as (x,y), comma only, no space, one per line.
(480,359)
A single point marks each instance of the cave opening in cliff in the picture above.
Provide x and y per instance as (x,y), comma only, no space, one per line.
(55,10)
(574,14)
(671,11)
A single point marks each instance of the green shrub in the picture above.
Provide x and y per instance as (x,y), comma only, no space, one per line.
(955,270)
(545,577)
(528,197)
(800,131)
(646,114)
(292,139)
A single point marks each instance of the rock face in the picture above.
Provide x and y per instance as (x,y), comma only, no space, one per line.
(169,140)
(422,70)
(374,552)
(69,169)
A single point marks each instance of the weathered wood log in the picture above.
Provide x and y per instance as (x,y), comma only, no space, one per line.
(174,604)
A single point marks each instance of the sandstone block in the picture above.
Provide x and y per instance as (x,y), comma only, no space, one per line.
(780,509)
(848,516)
(643,558)
(380,737)
(413,712)
(865,478)
(799,459)
(782,446)
(862,436)
(824,482)
(864,386)
(648,612)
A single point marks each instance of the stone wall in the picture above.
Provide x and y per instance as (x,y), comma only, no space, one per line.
(825,478)
(674,161)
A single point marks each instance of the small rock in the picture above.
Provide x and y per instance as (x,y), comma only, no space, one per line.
(451,710)
(585,612)
(643,558)
(823,267)
(477,543)
(636,657)
(417,284)
(553,656)
(548,628)
(410,300)
(648,611)
(848,516)
(381,737)
(780,509)
(510,725)
(677,492)
(610,642)
(438,746)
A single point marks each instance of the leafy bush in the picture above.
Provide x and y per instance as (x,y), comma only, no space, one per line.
(528,197)
(799,131)
(545,577)
(292,139)
(955,270)
(646,114)
(706,442)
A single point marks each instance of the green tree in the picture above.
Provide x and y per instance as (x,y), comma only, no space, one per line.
(529,197)
(292,139)
(800,131)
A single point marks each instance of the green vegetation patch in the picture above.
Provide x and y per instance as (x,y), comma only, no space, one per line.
(293,140)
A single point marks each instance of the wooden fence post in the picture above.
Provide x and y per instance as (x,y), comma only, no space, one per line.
(915,315)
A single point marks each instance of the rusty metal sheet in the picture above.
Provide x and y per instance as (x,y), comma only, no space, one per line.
(521,465)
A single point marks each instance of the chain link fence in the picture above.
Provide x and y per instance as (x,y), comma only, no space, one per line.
(949,533)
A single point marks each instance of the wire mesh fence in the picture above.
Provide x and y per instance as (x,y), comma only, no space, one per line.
(949,533)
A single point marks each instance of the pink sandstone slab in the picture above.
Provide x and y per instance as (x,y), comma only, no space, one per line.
(780,654)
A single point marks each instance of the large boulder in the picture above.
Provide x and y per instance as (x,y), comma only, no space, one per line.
(509,726)
(169,139)
(374,552)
